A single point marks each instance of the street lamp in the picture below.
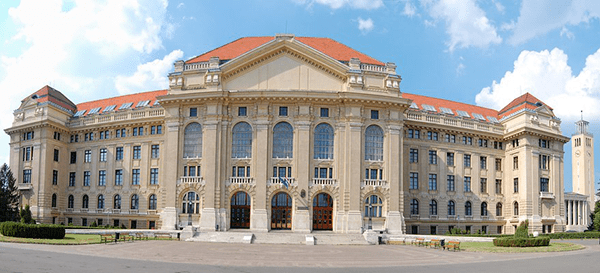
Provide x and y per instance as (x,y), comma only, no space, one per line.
(189,211)
(370,216)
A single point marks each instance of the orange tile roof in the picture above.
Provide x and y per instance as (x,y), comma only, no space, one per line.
(452,105)
(50,94)
(327,46)
(118,101)
(526,100)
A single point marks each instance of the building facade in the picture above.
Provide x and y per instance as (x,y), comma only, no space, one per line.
(294,133)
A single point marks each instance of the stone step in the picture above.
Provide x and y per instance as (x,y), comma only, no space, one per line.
(279,238)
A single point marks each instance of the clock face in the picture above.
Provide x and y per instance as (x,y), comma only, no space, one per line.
(577,153)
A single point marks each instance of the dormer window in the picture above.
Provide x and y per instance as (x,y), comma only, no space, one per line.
(126,105)
(79,113)
(109,108)
(215,78)
(142,103)
(208,78)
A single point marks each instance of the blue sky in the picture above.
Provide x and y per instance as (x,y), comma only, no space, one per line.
(484,52)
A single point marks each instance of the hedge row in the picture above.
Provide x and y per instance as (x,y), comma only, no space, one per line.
(14,229)
(573,235)
(522,242)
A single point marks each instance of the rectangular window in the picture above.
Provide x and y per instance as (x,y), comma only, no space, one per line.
(413,133)
(324,112)
(57,136)
(483,143)
(413,156)
(498,186)
(54,177)
(240,171)
(86,178)
(118,177)
(84,222)
(515,143)
(498,164)
(73,157)
(156,130)
(467,161)
(137,152)
(88,156)
(72,179)
(483,162)
(433,230)
(414,181)
(544,184)
(498,145)
(155,151)
(283,111)
(102,178)
(450,180)
(450,138)
(27,153)
(26,176)
(28,135)
(515,163)
(193,112)
(467,140)
(135,176)
(433,157)
(516,185)
(544,143)
(103,153)
(154,176)
(544,162)
(119,153)
(138,131)
(374,114)
(56,155)
(324,173)
(467,184)
(483,185)
(374,174)
(432,135)
(242,111)
(450,159)
(432,182)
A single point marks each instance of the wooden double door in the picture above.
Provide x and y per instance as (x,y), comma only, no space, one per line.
(281,211)
(240,210)
(323,212)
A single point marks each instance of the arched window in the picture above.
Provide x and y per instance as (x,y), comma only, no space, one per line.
(376,205)
(135,201)
(432,207)
(85,202)
(515,208)
(451,208)
(499,209)
(374,143)
(323,141)
(192,141)
(468,209)
(117,202)
(484,211)
(54,200)
(283,140)
(191,203)
(152,202)
(100,201)
(71,203)
(414,207)
(241,146)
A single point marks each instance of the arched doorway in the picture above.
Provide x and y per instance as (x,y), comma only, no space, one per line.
(281,211)
(322,212)
(240,210)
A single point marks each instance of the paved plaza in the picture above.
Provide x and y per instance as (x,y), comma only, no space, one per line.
(175,256)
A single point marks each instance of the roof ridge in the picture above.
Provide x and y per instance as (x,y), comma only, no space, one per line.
(224,45)
(121,96)
(452,101)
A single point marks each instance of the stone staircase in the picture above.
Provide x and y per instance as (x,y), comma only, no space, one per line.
(280,237)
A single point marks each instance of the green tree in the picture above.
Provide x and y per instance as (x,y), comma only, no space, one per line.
(26,216)
(593,217)
(522,230)
(9,196)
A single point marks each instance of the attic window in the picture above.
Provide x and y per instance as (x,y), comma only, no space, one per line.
(446,111)
(414,106)
(109,108)
(34,97)
(463,114)
(492,119)
(428,108)
(142,103)
(126,105)
(156,103)
(478,116)
(95,110)
(79,113)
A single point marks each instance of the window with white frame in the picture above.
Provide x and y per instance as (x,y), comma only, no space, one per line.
(374,143)
(241,141)
(323,146)
(283,140)
(373,206)
(192,141)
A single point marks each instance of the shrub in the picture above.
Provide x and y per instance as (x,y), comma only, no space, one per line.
(522,230)
(26,216)
(522,242)
(93,224)
(573,235)
(14,229)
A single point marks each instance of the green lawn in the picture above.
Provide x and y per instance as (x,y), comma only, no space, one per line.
(489,247)
(70,239)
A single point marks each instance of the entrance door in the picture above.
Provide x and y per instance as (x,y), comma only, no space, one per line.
(281,211)
(240,210)
(322,212)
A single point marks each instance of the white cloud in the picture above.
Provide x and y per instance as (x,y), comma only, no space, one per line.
(499,6)
(149,76)
(567,33)
(78,50)
(460,69)
(180,5)
(542,16)
(548,77)
(365,25)
(409,9)
(336,4)
(466,23)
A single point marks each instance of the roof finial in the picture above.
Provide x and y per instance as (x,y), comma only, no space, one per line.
(581,114)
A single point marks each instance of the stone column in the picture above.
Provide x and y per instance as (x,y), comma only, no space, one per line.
(567,212)
(395,220)
(259,219)
(301,221)
(353,179)
(168,215)
(210,164)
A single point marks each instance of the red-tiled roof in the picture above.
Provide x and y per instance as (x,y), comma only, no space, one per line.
(327,46)
(524,101)
(50,94)
(452,105)
(118,101)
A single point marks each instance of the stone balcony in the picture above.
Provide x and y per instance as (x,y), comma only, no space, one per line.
(324,182)
(191,180)
(277,181)
(241,180)
(375,183)
(546,195)
(24,186)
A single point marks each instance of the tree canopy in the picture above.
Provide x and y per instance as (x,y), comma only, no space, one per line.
(9,195)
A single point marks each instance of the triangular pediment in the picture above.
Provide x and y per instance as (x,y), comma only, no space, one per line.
(545,110)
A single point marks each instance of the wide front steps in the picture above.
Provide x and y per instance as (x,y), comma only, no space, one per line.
(280,237)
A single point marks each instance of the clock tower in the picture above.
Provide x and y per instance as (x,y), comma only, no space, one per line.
(583,164)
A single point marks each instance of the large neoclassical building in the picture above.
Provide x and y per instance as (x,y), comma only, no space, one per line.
(294,133)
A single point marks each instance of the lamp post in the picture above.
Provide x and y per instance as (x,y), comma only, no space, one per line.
(189,211)
(370,216)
